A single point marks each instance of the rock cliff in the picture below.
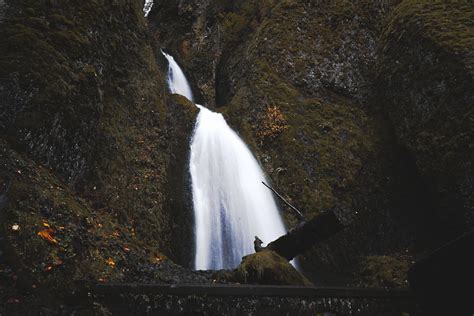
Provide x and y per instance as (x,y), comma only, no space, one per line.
(363,105)
(89,140)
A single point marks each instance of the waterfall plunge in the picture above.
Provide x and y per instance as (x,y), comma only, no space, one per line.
(176,79)
(147,7)
(231,205)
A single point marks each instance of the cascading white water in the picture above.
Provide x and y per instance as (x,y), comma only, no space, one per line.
(231,205)
(177,81)
(147,7)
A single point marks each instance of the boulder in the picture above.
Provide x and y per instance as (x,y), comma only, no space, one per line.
(267,267)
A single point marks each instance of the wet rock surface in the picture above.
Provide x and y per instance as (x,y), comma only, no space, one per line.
(215,305)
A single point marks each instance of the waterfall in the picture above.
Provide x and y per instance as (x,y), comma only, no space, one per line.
(147,7)
(231,205)
(177,81)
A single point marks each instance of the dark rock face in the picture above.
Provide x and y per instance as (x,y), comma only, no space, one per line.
(190,31)
(320,82)
(88,143)
(182,115)
(426,84)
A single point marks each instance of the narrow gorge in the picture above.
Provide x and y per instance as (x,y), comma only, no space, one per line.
(114,176)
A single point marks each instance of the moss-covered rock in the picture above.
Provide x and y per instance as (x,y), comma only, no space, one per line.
(267,267)
(88,139)
(51,239)
(333,151)
(181,119)
(383,271)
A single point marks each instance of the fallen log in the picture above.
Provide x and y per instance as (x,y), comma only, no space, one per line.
(307,234)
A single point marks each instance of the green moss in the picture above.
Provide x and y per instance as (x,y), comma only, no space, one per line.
(329,138)
(383,271)
(93,111)
(243,19)
(37,23)
(89,244)
(60,20)
(447,24)
(72,41)
(267,267)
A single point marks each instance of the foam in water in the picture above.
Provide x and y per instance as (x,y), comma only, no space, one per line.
(231,205)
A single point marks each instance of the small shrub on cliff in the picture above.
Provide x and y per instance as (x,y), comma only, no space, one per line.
(272,123)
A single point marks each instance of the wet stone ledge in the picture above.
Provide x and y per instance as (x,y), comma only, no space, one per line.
(249,300)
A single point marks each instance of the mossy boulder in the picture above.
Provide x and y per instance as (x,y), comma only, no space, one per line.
(267,267)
